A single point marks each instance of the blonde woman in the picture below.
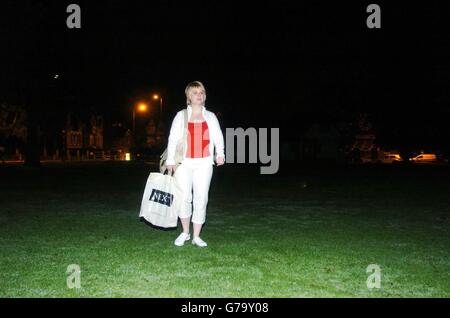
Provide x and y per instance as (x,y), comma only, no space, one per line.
(194,174)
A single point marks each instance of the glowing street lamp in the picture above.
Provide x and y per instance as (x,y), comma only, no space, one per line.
(141,107)
(156,97)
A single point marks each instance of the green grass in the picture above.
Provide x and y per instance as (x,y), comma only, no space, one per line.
(268,235)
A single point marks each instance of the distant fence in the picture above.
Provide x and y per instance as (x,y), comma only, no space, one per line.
(69,155)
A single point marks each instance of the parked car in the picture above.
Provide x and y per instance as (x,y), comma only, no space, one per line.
(424,158)
(392,158)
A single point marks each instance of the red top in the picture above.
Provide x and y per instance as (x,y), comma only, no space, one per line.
(197,140)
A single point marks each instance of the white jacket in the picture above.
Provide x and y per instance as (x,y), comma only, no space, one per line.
(176,133)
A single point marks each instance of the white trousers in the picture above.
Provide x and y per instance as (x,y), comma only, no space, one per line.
(194,176)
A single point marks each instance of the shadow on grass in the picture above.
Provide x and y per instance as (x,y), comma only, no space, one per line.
(141,219)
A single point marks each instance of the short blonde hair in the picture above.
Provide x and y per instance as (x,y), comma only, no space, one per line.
(190,86)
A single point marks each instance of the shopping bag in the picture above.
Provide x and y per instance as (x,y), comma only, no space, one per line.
(161,200)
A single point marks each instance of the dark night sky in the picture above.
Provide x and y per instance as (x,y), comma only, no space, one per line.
(264,63)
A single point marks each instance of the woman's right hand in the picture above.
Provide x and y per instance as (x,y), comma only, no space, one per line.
(171,169)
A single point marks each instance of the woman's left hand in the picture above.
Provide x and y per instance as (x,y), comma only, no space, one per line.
(220,161)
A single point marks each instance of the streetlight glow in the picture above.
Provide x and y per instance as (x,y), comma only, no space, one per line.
(158,97)
(142,107)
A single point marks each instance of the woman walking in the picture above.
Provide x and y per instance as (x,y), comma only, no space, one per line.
(195,171)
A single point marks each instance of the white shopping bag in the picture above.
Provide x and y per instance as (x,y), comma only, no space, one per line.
(161,200)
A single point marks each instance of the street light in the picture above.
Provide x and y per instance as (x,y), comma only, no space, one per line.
(141,107)
(156,97)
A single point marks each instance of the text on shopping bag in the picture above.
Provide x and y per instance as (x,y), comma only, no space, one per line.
(161,197)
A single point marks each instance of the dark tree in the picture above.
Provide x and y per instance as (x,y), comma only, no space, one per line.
(32,63)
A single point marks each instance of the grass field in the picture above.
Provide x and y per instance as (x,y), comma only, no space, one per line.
(308,231)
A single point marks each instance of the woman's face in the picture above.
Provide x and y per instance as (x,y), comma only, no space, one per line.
(197,96)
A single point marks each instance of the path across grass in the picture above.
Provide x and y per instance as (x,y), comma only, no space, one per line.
(305,232)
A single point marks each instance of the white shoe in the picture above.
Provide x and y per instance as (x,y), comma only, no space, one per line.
(183,237)
(199,242)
